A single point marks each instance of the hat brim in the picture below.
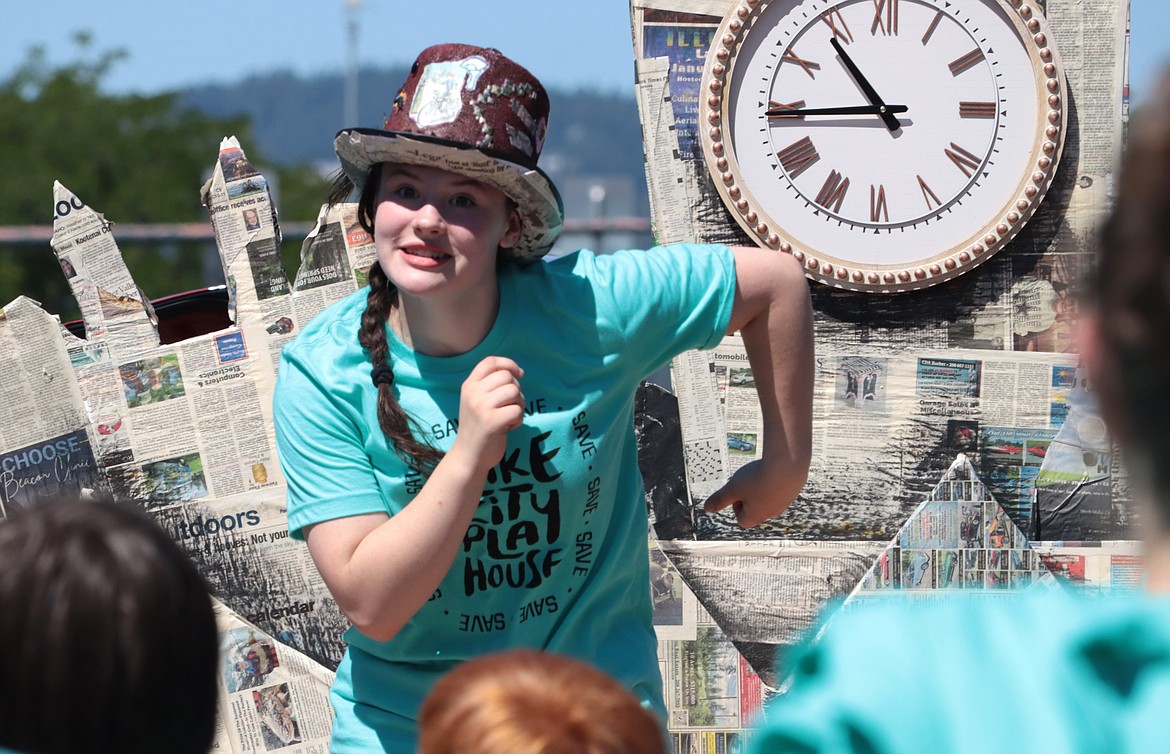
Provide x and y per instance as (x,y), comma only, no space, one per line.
(542,214)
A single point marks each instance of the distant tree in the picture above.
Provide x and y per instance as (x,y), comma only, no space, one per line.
(134,158)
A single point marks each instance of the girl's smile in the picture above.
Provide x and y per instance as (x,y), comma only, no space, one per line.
(424,256)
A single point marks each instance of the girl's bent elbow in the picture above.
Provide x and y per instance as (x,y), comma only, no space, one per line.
(370,619)
(376,630)
(791,269)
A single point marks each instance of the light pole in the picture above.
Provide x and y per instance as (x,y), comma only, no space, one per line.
(352,8)
(597,207)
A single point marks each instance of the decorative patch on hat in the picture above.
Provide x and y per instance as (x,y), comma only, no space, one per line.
(438,98)
(529,143)
(539,133)
(523,114)
(519,140)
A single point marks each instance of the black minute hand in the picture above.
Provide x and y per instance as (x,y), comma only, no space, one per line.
(787,112)
(886,116)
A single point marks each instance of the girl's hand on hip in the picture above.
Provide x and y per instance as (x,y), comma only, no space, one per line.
(490,405)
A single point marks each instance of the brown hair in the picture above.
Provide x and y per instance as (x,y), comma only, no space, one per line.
(527,702)
(107,635)
(398,426)
(1131,295)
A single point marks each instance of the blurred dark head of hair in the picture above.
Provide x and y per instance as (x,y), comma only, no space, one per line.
(107,634)
(1131,297)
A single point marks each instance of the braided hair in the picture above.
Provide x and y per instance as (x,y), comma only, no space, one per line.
(399,427)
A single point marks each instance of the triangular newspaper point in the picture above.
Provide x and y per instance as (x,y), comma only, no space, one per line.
(116,312)
(247,236)
(958,541)
(959,538)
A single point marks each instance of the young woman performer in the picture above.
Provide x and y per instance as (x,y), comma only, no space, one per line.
(458,437)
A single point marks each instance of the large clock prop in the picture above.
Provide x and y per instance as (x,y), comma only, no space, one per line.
(888,145)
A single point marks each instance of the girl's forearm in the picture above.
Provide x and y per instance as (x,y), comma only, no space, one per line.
(397,566)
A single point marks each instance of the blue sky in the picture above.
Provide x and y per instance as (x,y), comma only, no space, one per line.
(566,43)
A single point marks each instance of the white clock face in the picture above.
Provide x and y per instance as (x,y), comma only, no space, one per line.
(888,141)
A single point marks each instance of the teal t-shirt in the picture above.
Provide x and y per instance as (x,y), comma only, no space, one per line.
(556,556)
(1024,673)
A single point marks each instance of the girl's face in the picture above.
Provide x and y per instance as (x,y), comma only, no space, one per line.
(438,233)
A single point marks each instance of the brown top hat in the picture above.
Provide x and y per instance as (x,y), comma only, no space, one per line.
(469,110)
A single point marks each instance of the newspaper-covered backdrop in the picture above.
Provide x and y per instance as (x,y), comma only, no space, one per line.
(982,366)
(186,428)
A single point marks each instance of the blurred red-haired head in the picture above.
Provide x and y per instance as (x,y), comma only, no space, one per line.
(526,702)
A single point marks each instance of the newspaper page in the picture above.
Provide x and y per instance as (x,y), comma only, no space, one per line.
(335,260)
(675,605)
(693,378)
(736,388)
(46,449)
(671,40)
(271,697)
(115,310)
(1095,568)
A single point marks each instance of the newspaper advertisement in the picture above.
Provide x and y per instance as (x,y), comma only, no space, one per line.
(713,694)
(1094,568)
